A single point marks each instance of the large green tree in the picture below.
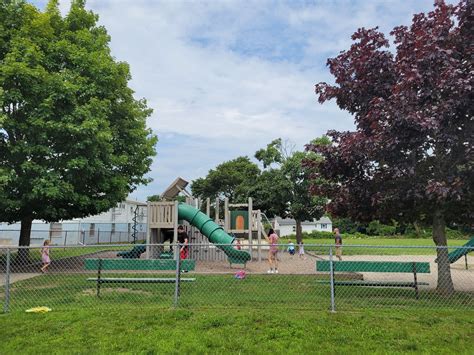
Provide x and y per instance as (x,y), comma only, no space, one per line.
(283,188)
(230,179)
(73,140)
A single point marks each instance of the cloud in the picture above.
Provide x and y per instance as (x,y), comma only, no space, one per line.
(225,78)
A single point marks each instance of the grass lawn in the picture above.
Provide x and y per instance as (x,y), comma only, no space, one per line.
(380,242)
(156,331)
(219,314)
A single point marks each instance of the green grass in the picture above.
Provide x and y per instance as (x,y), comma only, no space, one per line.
(219,314)
(380,242)
(166,331)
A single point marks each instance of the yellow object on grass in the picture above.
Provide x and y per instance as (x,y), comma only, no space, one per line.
(42,309)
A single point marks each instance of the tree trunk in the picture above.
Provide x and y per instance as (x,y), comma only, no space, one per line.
(25,235)
(299,232)
(445,282)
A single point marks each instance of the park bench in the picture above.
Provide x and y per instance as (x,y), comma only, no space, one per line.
(136,264)
(378,267)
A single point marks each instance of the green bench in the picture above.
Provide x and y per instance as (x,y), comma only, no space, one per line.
(136,264)
(377,267)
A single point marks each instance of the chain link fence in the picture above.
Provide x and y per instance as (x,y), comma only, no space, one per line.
(72,237)
(320,277)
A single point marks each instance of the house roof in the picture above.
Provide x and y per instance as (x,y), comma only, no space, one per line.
(292,222)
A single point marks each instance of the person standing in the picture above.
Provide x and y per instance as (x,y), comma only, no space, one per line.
(338,242)
(45,256)
(301,251)
(183,242)
(273,251)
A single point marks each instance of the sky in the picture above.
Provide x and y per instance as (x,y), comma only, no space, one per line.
(225,78)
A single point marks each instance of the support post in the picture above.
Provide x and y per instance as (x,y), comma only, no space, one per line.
(216,217)
(99,270)
(259,234)
(178,278)
(331,273)
(6,306)
(465,259)
(416,280)
(208,206)
(250,222)
(226,215)
(175,230)
(148,230)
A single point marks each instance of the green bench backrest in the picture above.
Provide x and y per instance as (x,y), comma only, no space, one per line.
(138,264)
(373,266)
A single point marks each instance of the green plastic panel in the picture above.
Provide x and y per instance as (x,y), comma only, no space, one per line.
(373,266)
(138,264)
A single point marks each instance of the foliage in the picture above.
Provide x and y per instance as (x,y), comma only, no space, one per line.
(230,179)
(284,190)
(157,198)
(73,140)
(411,157)
(154,198)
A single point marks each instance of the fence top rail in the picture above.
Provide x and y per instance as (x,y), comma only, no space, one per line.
(243,244)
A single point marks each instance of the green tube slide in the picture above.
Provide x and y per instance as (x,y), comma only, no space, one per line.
(213,232)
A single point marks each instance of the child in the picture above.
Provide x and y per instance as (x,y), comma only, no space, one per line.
(273,252)
(301,251)
(238,245)
(291,247)
(45,256)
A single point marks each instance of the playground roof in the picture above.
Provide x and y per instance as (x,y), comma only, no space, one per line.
(174,189)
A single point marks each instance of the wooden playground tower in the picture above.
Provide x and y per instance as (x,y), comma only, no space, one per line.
(162,221)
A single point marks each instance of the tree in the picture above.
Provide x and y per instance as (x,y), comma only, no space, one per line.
(73,140)
(412,154)
(284,191)
(231,179)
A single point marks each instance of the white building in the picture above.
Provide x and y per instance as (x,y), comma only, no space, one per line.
(287,226)
(114,226)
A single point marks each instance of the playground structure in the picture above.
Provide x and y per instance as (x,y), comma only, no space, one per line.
(163,217)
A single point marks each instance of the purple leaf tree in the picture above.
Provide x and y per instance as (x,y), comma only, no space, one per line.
(411,157)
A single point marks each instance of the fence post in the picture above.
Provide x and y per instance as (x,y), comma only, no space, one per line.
(331,273)
(6,305)
(178,278)
(465,259)
(65,238)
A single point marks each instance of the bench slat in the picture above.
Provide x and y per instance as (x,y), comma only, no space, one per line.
(374,266)
(374,283)
(138,280)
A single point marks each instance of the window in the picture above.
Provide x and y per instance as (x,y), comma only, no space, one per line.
(294,228)
(324,226)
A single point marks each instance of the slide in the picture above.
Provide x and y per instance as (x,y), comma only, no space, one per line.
(460,252)
(213,232)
